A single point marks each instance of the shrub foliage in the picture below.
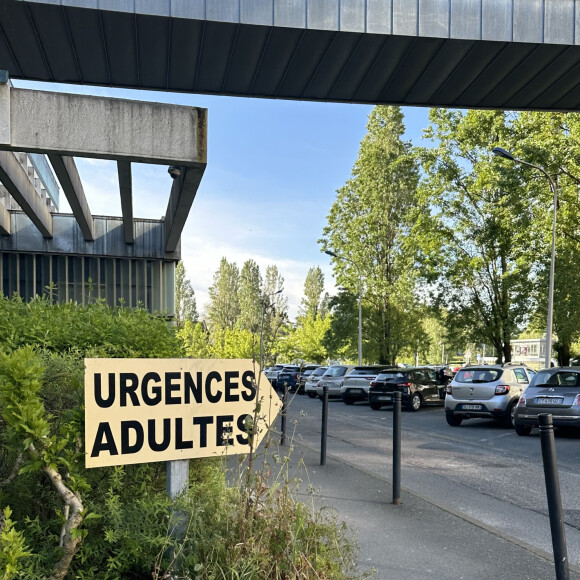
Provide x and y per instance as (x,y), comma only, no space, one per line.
(59,520)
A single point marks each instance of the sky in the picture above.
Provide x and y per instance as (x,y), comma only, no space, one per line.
(272,173)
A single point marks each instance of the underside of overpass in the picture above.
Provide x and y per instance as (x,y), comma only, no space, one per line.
(516,54)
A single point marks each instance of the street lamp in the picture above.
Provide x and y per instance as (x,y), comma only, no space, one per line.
(263,303)
(329,253)
(507,155)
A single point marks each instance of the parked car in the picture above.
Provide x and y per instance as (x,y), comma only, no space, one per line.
(272,374)
(288,375)
(312,381)
(418,386)
(555,391)
(332,379)
(486,391)
(355,387)
(303,375)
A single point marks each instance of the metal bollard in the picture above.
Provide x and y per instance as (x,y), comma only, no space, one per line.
(283,412)
(397,448)
(554,499)
(324,429)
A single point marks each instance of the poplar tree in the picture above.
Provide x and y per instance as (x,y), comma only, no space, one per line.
(313,288)
(368,224)
(185,304)
(249,296)
(224,307)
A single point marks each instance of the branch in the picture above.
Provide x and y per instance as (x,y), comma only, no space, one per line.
(14,473)
(69,544)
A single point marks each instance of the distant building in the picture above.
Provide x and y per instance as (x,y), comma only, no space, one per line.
(531,351)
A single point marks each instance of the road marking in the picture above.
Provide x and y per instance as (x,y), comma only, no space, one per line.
(499,436)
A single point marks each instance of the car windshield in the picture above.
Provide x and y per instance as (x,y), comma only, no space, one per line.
(392,376)
(560,379)
(318,372)
(306,373)
(335,372)
(477,375)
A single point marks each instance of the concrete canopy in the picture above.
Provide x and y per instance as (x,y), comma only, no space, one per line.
(63,126)
(520,54)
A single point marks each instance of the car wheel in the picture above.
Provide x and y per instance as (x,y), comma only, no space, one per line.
(375,406)
(415,402)
(508,420)
(523,430)
(311,394)
(453,420)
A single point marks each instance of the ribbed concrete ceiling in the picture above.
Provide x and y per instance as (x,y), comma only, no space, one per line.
(49,41)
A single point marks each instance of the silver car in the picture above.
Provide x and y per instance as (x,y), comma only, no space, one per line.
(356,386)
(333,378)
(486,391)
(555,391)
(312,381)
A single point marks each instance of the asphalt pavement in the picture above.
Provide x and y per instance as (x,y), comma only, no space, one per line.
(418,539)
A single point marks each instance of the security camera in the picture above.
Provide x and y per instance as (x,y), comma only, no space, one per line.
(174,171)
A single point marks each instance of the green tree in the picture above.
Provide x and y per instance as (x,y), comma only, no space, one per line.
(475,228)
(368,224)
(195,339)
(275,313)
(224,307)
(313,288)
(185,304)
(552,140)
(309,338)
(249,296)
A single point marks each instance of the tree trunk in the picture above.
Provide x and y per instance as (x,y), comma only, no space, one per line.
(563,350)
(507,352)
(499,349)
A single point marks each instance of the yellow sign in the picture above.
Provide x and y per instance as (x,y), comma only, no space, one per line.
(144,410)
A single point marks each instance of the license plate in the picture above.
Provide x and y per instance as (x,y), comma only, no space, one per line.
(355,390)
(549,401)
(472,407)
(384,398)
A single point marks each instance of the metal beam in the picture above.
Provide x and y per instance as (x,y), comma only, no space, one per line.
(126,190)
(66,171)
(182,195)
(17,182)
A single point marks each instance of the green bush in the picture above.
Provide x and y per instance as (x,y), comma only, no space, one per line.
(116,522)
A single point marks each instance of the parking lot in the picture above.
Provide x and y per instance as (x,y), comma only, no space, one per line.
(482,471)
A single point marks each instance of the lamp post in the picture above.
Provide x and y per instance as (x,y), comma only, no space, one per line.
(263,303)
(507,155)
(329,253)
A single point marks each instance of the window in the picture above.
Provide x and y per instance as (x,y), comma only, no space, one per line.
(477,375)
(521,376)
(335,372)
(392,376)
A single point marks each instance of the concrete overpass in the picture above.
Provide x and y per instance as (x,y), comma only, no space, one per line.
(520,54)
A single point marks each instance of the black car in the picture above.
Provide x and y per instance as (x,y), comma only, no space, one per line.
(288,376)
(418,386)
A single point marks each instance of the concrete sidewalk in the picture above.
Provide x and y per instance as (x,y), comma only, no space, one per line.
(418,539)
